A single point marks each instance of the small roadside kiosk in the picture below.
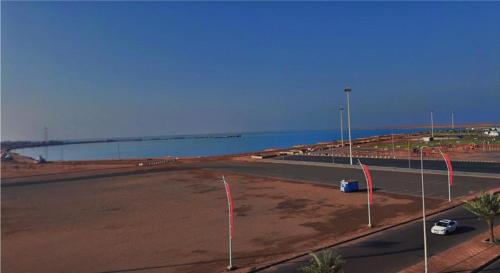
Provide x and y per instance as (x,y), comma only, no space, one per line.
(349,185)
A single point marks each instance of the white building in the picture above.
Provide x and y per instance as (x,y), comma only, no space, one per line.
(493,133)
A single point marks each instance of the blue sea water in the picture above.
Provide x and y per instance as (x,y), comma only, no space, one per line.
(189,147)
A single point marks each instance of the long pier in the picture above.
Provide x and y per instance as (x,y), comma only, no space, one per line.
(10,145)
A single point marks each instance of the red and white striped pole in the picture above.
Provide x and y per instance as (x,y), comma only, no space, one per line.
(369,190)
(231,220)
(450,172)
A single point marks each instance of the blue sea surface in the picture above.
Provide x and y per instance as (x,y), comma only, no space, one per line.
(192,147)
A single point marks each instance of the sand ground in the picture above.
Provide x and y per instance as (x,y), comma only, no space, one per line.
(176,221)
(24,168)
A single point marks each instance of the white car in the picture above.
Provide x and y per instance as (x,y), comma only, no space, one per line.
(443,227)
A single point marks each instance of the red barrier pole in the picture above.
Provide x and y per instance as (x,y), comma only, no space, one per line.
(450,172)
(231,220)
(369,190)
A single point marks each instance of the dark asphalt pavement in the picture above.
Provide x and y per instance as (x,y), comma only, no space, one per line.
(436,185)
(463,166)
(398,248)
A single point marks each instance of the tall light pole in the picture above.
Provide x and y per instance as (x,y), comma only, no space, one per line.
(432,123)
(409,153)
(423,205)
(341,110)
(393,152)
(453,120)
(347,91)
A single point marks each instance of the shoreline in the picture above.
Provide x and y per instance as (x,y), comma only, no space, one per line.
(362,146)
(8,146)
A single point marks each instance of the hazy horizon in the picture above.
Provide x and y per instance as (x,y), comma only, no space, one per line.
(129,69)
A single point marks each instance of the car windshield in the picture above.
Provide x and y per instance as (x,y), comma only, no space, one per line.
(441,224)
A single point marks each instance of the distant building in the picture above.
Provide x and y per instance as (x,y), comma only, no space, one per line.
(492,132)
(6,156)
(40,160)
(427,139)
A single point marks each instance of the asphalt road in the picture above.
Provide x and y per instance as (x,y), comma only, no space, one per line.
(463,166)
(493,267)
(436,185)
(398,248)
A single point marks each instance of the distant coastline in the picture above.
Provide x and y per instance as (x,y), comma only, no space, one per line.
(195,145)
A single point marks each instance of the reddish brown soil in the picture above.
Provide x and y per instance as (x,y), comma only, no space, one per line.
(176,221)
(25,167)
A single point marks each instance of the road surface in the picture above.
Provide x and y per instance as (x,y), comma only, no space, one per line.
(395,249)
(463,166)
(436,185)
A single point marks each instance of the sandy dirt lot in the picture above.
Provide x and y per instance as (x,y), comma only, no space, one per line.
(23,167)
(20,168)
(176,221)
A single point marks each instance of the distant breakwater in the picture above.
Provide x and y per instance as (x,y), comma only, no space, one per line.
(10,145)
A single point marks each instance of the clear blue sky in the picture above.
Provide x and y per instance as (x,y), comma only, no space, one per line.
(131,69)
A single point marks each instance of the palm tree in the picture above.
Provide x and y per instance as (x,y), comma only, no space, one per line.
(327,261)
(486,207)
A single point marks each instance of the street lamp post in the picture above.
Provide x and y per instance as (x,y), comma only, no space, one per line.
(453,120)
(423,206)
(331,151)
(409,153)
(432,123)
(347,91)
(341,110)
(393,152)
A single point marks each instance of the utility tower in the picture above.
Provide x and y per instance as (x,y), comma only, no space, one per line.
(46,142)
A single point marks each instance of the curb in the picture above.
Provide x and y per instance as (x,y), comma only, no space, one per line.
(477,270)
(459,203)
(391,157)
